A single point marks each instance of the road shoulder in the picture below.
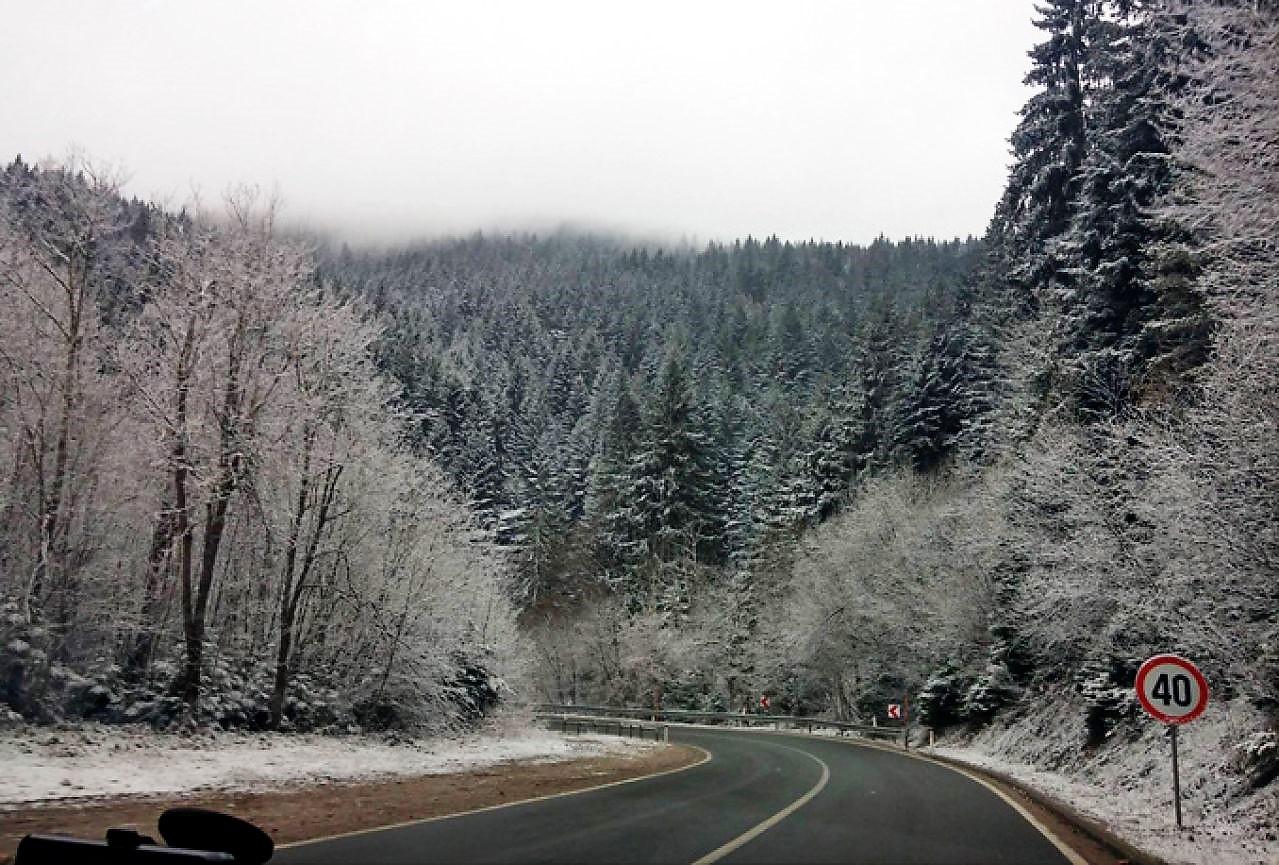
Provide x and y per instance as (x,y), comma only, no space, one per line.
(303,812)
(1097,844)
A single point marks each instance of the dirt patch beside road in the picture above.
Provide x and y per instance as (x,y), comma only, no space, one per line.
(299,812)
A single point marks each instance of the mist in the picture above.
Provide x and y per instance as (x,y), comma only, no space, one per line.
(397,120)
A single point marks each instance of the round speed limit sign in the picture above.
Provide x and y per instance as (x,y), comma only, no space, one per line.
(1172,689)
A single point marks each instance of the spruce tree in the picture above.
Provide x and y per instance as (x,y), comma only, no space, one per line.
(951,392)
(668,509)
(536,528)
(1048,146)
(1130,308)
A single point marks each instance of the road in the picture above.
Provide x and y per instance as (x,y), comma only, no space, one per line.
(761,798)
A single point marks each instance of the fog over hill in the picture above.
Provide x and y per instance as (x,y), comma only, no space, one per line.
(255,478)
(826,120)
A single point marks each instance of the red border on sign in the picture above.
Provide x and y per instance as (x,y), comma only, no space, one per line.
(1189,667)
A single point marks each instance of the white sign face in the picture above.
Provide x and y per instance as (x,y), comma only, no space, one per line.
(895,711)
(1171,689)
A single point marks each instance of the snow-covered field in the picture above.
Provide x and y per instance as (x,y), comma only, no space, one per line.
(41,764)
(1126,784)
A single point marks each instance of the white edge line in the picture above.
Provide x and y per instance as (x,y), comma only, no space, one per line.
(754,832)
(357,832)
(1073,856)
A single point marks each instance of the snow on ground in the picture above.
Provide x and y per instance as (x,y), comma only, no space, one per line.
(40,764)
(1126,783)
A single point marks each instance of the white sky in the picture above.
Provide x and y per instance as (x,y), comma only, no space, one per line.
(380,119)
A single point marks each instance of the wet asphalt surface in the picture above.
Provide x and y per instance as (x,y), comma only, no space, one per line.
(876,807)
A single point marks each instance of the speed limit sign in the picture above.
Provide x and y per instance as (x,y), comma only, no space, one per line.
(1172,689)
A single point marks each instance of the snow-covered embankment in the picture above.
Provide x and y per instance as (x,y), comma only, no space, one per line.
(42,764)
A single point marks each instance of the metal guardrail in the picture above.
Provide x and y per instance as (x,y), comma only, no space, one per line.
(615,727)
(723,718)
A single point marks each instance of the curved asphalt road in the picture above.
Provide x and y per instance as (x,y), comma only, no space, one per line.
(763,798)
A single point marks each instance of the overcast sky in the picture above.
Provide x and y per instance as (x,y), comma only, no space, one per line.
(387,120)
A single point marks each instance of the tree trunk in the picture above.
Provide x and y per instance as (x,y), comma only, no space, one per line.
(142,644)
(293,589)
(214,526)
(286,584)
(74,285)
(281,685)
(230,460)
(189,683)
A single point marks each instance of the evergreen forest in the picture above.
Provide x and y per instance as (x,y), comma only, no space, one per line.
(258,479)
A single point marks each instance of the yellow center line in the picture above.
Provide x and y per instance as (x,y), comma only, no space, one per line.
(753,833)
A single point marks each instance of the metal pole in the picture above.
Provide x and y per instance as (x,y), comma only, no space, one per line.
(906,721)
(1176,777)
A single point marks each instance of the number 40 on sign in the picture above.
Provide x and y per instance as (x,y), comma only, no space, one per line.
(1172,690)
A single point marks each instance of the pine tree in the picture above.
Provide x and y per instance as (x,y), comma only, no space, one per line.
(741,627)
(1120,315)
(536,528)
(821,472)
(950,395)
(609,477)
(1048,146)
(480,463)
(881,356)
(751,496)
(668,508)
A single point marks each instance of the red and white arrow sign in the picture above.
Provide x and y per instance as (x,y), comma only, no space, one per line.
(895,711)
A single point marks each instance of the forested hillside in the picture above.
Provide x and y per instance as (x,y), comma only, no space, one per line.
(256,481)
(632,421)
(969,471)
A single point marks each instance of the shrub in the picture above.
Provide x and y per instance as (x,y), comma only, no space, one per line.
(940,702)
(1107,688)
(992,691)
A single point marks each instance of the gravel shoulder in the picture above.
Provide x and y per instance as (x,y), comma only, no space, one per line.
(303,810)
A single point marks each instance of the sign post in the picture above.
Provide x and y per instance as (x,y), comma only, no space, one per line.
(1173,691)
(906,721)
(1176,778)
